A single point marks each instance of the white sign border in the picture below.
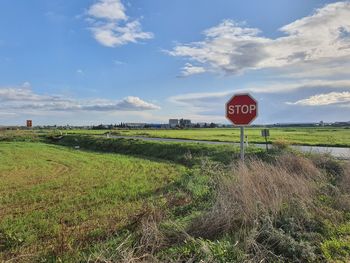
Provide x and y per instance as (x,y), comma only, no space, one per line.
(242,94)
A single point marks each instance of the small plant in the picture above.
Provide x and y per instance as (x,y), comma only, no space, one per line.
(280,144)
(336,250)
(9,240)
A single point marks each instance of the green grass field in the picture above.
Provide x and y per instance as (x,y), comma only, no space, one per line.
(124,200)
(301,136)
(48,191)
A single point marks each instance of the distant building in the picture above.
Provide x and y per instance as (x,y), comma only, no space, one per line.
(173,123)
(185,123)
(154,126)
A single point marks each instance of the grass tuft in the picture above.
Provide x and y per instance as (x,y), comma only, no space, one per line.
(246,191)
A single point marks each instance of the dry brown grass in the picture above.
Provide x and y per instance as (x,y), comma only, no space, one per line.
(344,182)
(139,247)
(332,167)
(247,191)
(152,239)
(124,253)
(342,197)
(280,144)
(250,199)
(298,165)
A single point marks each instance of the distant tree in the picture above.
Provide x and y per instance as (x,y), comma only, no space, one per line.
(121,125)
(99,127)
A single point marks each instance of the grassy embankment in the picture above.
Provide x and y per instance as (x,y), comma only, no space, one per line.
(169,203)
(299,136)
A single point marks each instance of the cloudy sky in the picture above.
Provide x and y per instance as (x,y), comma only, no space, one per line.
(106,61)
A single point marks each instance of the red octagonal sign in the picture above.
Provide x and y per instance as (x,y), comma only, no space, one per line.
(241,109)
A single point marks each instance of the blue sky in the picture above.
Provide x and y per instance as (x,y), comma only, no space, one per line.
(107,61)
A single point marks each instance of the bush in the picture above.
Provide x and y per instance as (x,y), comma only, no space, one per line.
(246,191)
(18,136)
(266,206)
(344,181)
(332,167)
(280,145)
(276,245)
(336,249)
(256,212)
(204,250)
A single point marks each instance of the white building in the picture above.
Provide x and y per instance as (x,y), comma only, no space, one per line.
(173,123)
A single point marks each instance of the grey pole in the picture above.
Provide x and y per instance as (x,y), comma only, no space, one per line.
(242,143)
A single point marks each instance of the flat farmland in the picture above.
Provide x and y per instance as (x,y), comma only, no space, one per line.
(298,136)
(55,199)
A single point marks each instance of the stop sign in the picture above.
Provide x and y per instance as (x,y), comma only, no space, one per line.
(241,109)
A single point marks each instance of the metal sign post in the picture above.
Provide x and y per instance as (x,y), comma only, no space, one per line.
(241,110)
(265,133)
(242,143)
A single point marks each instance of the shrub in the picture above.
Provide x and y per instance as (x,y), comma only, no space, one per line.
(271,244)
(266,206)
(332,167)
(344,182)
(299,165)
(280,144)
(18,136)
(203,250)
(336,249)
(246,191)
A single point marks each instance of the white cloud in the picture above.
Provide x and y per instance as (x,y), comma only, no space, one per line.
(26,85)
(19,99)
(108,9)
(325,99)
(200,99)
(111,26)
(205,99)
(22,93)
(232,48)
(127,104)
(289,86)
(273,108)
(112,35)
(324,68)
(118,62)
(271,94)
(7,114)
(189,69)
